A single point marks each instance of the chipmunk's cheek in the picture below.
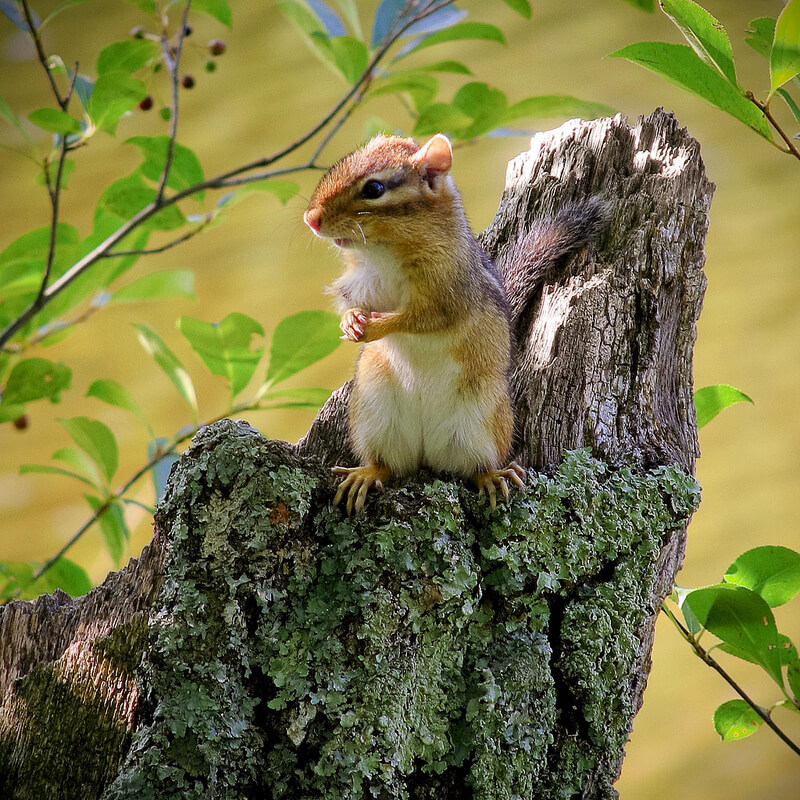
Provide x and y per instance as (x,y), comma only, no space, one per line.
(343,242)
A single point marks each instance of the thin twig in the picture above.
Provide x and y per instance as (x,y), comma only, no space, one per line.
(153,250)
(173,62)
(714,664)
(765,110)
(62,101)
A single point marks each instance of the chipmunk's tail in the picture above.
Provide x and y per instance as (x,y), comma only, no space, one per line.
(544,252)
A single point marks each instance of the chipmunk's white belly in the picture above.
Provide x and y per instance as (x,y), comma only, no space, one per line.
(419,414)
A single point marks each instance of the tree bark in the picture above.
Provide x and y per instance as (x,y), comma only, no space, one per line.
(266,646)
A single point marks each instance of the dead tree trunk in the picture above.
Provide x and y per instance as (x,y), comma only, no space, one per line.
(266,646)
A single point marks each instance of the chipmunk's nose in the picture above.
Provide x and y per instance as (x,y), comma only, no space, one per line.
(313,218)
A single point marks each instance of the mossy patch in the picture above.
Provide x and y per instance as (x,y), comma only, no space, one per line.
(425,649)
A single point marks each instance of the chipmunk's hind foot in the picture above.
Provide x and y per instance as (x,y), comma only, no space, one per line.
(357,483)
(490,481)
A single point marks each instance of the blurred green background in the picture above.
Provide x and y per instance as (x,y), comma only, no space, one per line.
(262,262)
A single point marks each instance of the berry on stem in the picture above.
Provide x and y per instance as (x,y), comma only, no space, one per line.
(187,81)
(217,47)
(147,103)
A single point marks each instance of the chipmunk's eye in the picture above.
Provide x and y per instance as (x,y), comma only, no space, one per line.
(372,190)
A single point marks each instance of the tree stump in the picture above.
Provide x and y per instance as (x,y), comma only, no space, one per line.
(266,646)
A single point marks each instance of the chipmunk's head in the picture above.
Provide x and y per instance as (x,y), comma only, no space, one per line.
(383,193)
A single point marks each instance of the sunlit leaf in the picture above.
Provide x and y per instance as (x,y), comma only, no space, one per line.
(49,469)
(96,440)
(349,55)
(421,87)
(80,462)
(736,719)
(301,340)
(522,7)
(219,9)
(743,620)
(67,576)
(127,56)
(441,117)
(789,100)
(129,195)
(556,106)
(169,363)
(283,190)
(760,35)
(704,33)
(54,120)
(156,286)
(456,67)
(226,347)
(484,105)
(185,168)
(784,59)
(710,400)
(113,94)
(464,30)
(771,571)
(115,394)
(35,379)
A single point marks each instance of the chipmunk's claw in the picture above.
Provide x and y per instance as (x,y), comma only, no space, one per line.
(353,324)
(490,481)
(357,483)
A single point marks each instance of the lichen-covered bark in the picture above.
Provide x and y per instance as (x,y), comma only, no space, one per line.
(431,648)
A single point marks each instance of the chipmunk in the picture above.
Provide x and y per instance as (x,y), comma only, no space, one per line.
(431,385)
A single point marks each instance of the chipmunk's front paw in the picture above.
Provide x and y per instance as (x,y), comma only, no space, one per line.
(353,324)
(357,482)
(490,481)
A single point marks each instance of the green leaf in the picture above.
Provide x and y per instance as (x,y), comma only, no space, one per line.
(114,394)
(680,65)
(784,59)
(48,469)
(522,7)
(156,286)
(7,113)
(113,94)
(96,440)
(225,347)
(440,117)
(219,9)
(301,340)
(693,626)
(786,650)
(80,463)
(54,120)
(556,106)
(296,398)
(710,400)
(743,620)
(456,67)
(127,56)
(185,169)
(67,576)
(283,190)
(350,56)
(112,526)
(421,87)
(301,17)
(736,720)
(15,575)
(349,10)
(789,100)
(705,34)
(464,30)
(760,35)
(770,571)
(59,8)
(66,172)
(128,196)
(34,379)
(486,107)
(166,359)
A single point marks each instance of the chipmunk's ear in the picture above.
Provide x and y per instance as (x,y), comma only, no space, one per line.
(435,158)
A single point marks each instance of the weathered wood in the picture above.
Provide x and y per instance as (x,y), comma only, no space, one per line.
(432,648)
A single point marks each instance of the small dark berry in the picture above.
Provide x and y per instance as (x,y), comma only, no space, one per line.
(146,104)
(138,32)
(165,112)
(20,423)
(187,30)
(211,66)
(217,47)
(187,81)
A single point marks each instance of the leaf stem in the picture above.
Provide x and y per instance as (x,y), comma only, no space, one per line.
(715,665)
(765,110)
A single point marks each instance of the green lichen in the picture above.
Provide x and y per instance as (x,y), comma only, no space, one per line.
(431,648)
